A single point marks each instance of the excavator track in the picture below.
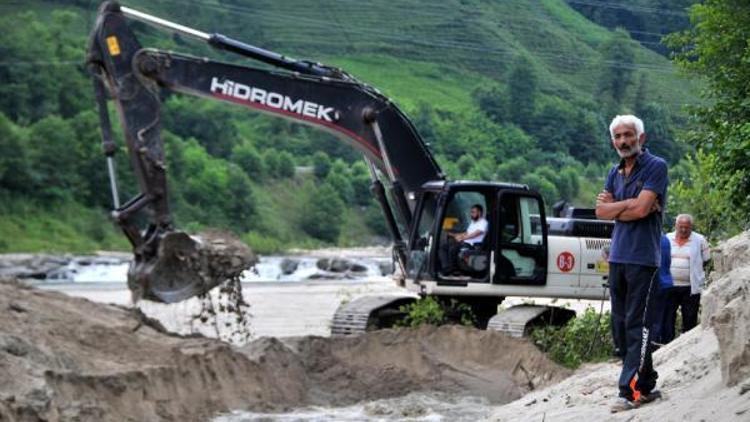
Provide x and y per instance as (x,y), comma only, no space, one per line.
(516,320)
(367,313)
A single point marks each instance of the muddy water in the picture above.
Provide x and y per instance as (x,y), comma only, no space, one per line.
(412,407)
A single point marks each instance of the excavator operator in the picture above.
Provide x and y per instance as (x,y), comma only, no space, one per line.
(470,239)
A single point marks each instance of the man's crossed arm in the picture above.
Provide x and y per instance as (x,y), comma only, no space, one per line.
(627,210)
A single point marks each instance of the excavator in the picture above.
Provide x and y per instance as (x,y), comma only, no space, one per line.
(524,253)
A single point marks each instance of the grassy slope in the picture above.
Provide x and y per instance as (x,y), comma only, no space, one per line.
(68,227)
(413,52)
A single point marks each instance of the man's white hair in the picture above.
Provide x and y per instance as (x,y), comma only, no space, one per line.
(686,217)
(626,119)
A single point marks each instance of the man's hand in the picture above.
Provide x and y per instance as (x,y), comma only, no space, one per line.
(604,197)
(606,206)
(640,207)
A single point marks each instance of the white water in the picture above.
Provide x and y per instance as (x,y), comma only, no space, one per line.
(269,268)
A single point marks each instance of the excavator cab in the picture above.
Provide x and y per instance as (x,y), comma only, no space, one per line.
(512,251)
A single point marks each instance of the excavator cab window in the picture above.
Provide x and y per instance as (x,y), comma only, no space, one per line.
(422,237)
(521,256)
(467,259)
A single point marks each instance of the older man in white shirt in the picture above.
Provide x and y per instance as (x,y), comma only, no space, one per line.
(690,254)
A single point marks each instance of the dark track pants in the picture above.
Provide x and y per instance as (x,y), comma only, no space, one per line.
(680,298)
(663,324)
(632,296)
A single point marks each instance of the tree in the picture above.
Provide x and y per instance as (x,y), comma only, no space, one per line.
(424,122)
(360,181)
(569,185)
(660,133)
(617,72)
(465,163)
(523,87)
(716,50)
(56,158)
(492,100)
(285,169)
(242,209)
(539,183)
(322,215)
(247,158)
(209,122)
(340,182)
(271,161)
(29,92)
(698,192)
(513,169)
(15,168)
(321,164)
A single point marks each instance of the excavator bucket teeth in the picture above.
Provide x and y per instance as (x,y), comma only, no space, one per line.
(187,266)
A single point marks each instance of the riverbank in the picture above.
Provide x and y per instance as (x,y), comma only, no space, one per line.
(70,358)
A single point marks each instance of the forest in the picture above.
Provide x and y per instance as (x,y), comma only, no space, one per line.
(494,94)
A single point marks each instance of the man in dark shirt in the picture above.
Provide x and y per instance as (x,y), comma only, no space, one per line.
(634,196)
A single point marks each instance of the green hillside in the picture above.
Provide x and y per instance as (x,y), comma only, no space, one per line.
(518,91)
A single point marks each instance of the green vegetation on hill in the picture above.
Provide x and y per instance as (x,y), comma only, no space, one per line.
(647,21)
(714,184)
(516,91)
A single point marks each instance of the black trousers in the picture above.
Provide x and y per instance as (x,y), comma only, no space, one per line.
(680,298)
(632,293)
(448,254)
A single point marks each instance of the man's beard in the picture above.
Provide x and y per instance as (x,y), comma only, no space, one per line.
(475,218)
(629,152)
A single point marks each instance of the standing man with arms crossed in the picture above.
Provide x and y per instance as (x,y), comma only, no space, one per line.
(634,196)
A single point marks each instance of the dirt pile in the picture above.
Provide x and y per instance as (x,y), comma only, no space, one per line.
(703,374)
(726,307)
(64,358)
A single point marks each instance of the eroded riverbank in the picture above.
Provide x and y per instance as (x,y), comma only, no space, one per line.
(70,358)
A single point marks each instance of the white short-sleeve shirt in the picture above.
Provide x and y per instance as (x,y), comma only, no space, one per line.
(481,225)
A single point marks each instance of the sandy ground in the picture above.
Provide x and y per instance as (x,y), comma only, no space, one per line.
(66,358)
(689,377)
(704,374)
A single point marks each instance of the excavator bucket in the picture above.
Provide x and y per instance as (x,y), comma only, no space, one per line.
(187,266)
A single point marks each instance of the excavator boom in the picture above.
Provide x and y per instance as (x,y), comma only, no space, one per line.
(170,265)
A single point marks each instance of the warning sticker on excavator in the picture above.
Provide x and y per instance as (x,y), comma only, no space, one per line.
(113,46)
(566,261)
(602,266)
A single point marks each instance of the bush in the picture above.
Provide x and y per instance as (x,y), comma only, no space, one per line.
(429,310)
(262,244)
(708,198)
(247,157)
(323,214)
(285,169)
(321,164)
(586,338)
